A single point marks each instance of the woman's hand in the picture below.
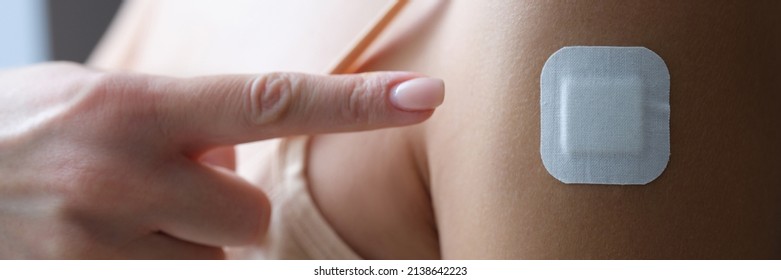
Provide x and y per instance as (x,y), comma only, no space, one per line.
(106,165)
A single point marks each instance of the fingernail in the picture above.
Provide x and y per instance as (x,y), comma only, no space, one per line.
(418,94)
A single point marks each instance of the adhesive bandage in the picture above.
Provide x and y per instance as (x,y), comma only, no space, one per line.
(605,115)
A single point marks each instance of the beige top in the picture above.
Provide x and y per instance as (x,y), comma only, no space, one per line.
(297,229)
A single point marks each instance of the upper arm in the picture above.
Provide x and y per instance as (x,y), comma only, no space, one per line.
(717,198)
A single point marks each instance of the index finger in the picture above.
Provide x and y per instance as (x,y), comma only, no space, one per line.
(235,109)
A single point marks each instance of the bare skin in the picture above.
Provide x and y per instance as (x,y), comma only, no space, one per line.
(470,182)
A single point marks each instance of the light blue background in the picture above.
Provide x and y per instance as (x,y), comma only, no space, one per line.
(23,32)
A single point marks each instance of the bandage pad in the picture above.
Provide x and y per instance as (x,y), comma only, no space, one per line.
(605,115)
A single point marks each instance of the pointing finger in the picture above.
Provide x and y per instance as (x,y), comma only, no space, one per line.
(236,109)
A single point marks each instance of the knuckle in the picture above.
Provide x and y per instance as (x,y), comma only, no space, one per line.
(117,102)
(361,100)
(117,89)
(104,93)
(271,98)
(107,83)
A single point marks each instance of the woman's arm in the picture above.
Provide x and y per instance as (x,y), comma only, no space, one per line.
(719,195)
(477,161)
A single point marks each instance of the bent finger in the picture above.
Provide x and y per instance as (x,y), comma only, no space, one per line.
(210,206)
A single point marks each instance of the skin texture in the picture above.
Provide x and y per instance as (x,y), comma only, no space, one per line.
(470,183)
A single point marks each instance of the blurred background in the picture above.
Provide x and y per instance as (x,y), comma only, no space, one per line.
(33,31)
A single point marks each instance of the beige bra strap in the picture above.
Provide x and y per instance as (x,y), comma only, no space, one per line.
(346,61)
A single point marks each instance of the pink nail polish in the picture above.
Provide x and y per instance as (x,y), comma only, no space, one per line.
(418,94)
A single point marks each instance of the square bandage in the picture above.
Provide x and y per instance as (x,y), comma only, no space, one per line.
(605,115)
(619,103)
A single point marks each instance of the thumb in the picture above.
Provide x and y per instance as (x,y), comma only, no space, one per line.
(219,110)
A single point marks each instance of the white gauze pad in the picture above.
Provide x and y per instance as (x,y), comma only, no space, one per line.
(605,115)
